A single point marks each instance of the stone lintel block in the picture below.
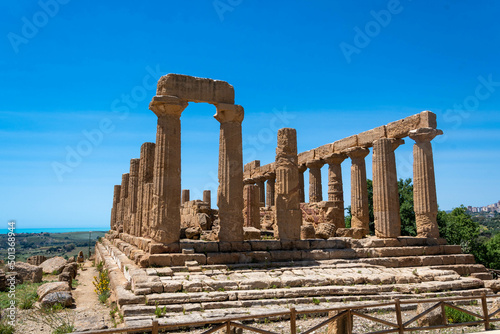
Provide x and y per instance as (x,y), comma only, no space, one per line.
(196,89)
(401,128)
(222,258)
(265,245)
(428,119)
(286,255)
(323,151)
(366,139)
(345,143)
(251,165)
(305,156)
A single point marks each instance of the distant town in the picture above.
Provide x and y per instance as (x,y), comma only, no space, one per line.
(489,208)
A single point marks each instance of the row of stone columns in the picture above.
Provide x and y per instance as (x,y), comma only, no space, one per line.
(385,186)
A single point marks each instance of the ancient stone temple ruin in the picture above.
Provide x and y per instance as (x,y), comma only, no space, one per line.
(262,233)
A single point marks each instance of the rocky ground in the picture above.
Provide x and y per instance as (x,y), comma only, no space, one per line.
(86,313)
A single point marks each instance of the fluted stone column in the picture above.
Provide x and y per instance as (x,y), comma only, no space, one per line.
(270,185)
(146,169)
(133,189)
(147,209)
(230,192)
(123,202)
(359,189)
(185,196)
(424,182)
(167,169)
(252,206)
(114,209)
(260,181)
(335,214)
(302,193)
(207,197)
(287,202)
(385,188)
(315,189)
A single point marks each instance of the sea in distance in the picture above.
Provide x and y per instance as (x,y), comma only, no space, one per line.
(53,230)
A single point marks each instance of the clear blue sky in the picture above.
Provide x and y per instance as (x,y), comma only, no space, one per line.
(330,69)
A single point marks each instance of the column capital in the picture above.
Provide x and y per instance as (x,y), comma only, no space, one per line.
(395,142)
(163,105)
(260,178)
(335,158)
(424,135)
(317,163)
(248,181)
(270,175)
(302,168)
(357,152)
(229,113)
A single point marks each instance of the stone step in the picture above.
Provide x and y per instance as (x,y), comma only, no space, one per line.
(137,315)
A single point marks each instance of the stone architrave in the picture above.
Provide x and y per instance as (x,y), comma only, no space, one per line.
(207,198)
(185,196)
(287,201)
(359,190)
(424,182)
(167,169)
(385,188)
(133,190)
(335,214)
(123,202)
(146,167)
(302,193)
(252,206)
(114,209)
(230,192)
(315,191)
(270,186)
(260,181)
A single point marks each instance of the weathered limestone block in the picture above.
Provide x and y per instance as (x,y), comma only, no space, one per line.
(195,89)
(207,198)
(424,182)
(28,272)
(146,166)
(335,213)
(401,128)
(307,231)
(251,233)
(359,190)
(65,277)
(47,288)
(55,264)
(288,213)
(251,166)
(229,193)
(385,189)
(325,230)
(434,318)
(80,258)
(251,214)
(345,143)
(167,168)
(130,228)
(315,188)
(427,120)
(366,139)
(36,260)
(63,297)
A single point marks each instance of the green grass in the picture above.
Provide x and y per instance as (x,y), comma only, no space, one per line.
(26,296)
(455,316)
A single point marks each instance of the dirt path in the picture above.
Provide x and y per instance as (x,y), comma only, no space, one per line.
(84,294)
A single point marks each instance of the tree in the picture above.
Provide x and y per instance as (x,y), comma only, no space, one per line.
(406,209)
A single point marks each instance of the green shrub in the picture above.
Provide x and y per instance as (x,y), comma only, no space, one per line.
(455,316)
